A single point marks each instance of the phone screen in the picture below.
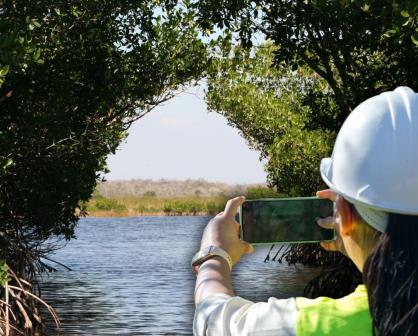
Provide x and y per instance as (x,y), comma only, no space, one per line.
(290,220)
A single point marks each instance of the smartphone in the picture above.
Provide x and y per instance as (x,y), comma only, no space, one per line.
(285,220)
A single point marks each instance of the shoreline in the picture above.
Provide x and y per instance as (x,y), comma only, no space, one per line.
(149,204)
(111,213)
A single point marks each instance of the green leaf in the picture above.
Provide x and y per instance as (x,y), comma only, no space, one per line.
(365,7)
(414,40)
(7,164)
(36,23)
(390,32)
(408,22)
(4,70)
(37,54)
(3,272)
(405,13)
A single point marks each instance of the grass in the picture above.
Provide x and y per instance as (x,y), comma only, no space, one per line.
(137,206)
(170,188)
(150,204)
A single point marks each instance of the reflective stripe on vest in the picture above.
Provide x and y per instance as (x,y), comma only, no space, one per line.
(324,316)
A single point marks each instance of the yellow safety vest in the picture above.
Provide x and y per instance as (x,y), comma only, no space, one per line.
(324,316)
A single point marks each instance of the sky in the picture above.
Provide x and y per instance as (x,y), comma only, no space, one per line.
(180,140)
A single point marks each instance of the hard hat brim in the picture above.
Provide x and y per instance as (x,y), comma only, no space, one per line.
(326,174)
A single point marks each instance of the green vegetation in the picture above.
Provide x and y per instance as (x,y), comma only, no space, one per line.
(73,77)
(266,104)
(137,206)
(356,60)
(3,272)
(168,206)
(289,96)
(150,193)
(261,192)
(110,205)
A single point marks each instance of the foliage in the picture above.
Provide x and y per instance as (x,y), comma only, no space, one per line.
(193,206)
(261,192)
(3,272)
(356,60)
(78,74)
(110,205)
(73,77)
(267,105)
(150,193)
(155,205)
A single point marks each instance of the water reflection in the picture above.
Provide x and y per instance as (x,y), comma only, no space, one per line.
(131,276)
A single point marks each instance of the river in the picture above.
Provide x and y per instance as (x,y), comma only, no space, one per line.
(132,276)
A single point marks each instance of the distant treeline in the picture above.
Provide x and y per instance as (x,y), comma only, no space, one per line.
(171,188)
(150,204)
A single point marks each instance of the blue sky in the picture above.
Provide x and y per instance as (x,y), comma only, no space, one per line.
(181,140)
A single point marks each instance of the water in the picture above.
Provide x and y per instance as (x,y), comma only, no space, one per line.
(132,276)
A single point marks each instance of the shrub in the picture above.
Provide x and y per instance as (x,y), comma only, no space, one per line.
(168,207)
(149,193)
(110,205)
(214,207)
(262,192)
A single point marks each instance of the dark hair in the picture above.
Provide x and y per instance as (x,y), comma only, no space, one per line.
(391,277)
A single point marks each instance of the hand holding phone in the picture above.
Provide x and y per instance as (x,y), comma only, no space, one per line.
(223,231)
(285,220)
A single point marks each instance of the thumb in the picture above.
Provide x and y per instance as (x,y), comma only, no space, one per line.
(248,248)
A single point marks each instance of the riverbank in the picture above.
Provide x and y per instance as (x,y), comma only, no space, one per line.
(100,206)
(102,214)
(150,203)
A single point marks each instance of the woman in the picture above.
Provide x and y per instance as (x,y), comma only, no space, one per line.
(373,180)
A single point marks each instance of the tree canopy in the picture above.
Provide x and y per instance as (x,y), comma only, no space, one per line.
(360,47)
(266,104)
(74,76)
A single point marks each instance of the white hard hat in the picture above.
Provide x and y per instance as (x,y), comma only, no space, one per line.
(374,163)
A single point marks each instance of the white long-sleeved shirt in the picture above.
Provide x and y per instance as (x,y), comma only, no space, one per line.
(223,315)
